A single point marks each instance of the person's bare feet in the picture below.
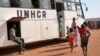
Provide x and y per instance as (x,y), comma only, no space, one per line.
(24,49)
(21,53)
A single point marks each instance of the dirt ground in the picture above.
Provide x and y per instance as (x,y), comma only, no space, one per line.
(62,48)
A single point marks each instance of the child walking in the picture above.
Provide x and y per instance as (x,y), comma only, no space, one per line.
(71,38)
(84,38)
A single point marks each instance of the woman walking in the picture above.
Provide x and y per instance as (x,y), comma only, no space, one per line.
(76,31)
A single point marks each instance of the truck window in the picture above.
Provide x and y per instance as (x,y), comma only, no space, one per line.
(15,3)
(35,3)
(4,3)
(26,4)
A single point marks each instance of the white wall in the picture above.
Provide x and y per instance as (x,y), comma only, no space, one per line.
(7,13)
(68,16)
(49,29)
(80,21)
(3,35)
(32,29)
(36,30)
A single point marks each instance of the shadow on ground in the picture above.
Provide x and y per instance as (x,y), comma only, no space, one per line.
(34,45)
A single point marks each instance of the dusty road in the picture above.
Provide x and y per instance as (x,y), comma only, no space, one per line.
(62,48)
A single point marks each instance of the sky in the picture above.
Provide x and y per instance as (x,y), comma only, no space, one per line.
(93,8)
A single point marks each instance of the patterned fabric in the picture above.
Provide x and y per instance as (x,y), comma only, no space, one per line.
(77,35)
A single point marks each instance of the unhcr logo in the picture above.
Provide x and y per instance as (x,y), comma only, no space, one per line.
(31,14)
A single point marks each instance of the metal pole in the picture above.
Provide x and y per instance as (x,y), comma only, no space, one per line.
(75,5)
(81,9)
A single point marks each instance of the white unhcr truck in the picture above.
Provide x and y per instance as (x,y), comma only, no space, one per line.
(37,20)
